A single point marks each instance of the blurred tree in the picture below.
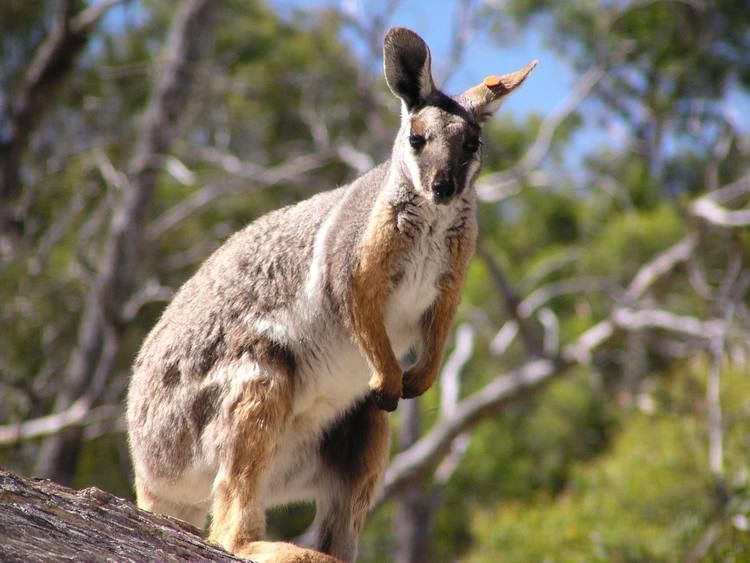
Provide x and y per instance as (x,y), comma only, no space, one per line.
(605,327)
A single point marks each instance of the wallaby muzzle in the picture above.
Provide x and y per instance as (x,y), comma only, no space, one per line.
(443,191)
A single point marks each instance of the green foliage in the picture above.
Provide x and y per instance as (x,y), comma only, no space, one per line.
(646,498)
(628,240)
(101,463)
(524,455)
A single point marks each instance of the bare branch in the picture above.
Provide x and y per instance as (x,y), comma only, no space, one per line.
(511,300)
(357,160)
(713,400)
(706,542)
(87,19)
(466,24)
(544,294)
(658,267)
(504,338)
(414,462)
(450,387)
(710,211)
(370,27)
(115,179)
(253,178)
(151,291)
(500,185)
(630,319)
(549,265)
(731,191)
(551,325)
(709,208)
(79,413)
(450,382)
(90,363)
(55,232)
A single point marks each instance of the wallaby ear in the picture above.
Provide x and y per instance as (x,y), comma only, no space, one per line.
(406,64)
(485,98)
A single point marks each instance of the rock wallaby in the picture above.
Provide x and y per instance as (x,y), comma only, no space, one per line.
(266,379)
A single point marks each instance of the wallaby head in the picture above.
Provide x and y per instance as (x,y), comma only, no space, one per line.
(438,142)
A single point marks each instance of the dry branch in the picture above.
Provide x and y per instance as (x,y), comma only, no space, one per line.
(42,521)
(252,178)
(710,211)
(658,267)
(709,208)
(79,413)
(512,302)
(541,296)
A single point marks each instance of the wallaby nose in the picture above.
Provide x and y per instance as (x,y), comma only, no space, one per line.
(442,190)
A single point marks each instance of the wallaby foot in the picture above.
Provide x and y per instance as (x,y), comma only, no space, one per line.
(281,552)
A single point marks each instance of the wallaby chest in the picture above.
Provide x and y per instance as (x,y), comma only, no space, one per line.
(432,230)
(335,373)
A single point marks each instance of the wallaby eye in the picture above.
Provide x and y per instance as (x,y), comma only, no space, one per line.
(472,145)
(417,141)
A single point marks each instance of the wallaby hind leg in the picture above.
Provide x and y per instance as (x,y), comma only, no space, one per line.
(256,413)
(195,514)
(354,455)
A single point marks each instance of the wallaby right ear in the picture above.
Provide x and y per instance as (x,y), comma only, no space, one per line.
(406,63)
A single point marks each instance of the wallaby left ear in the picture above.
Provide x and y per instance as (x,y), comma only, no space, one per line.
(406,64)
(485,98)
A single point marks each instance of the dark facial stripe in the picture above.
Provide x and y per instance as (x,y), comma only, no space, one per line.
(449,105)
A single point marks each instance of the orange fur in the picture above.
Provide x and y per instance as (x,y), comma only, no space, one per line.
(382,247)
(437,321)
(258,416)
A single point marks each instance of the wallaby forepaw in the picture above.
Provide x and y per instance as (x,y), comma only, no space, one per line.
(385,401)
(413,386)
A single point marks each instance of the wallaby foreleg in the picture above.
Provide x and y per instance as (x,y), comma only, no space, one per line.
(437,321)
(382,247)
